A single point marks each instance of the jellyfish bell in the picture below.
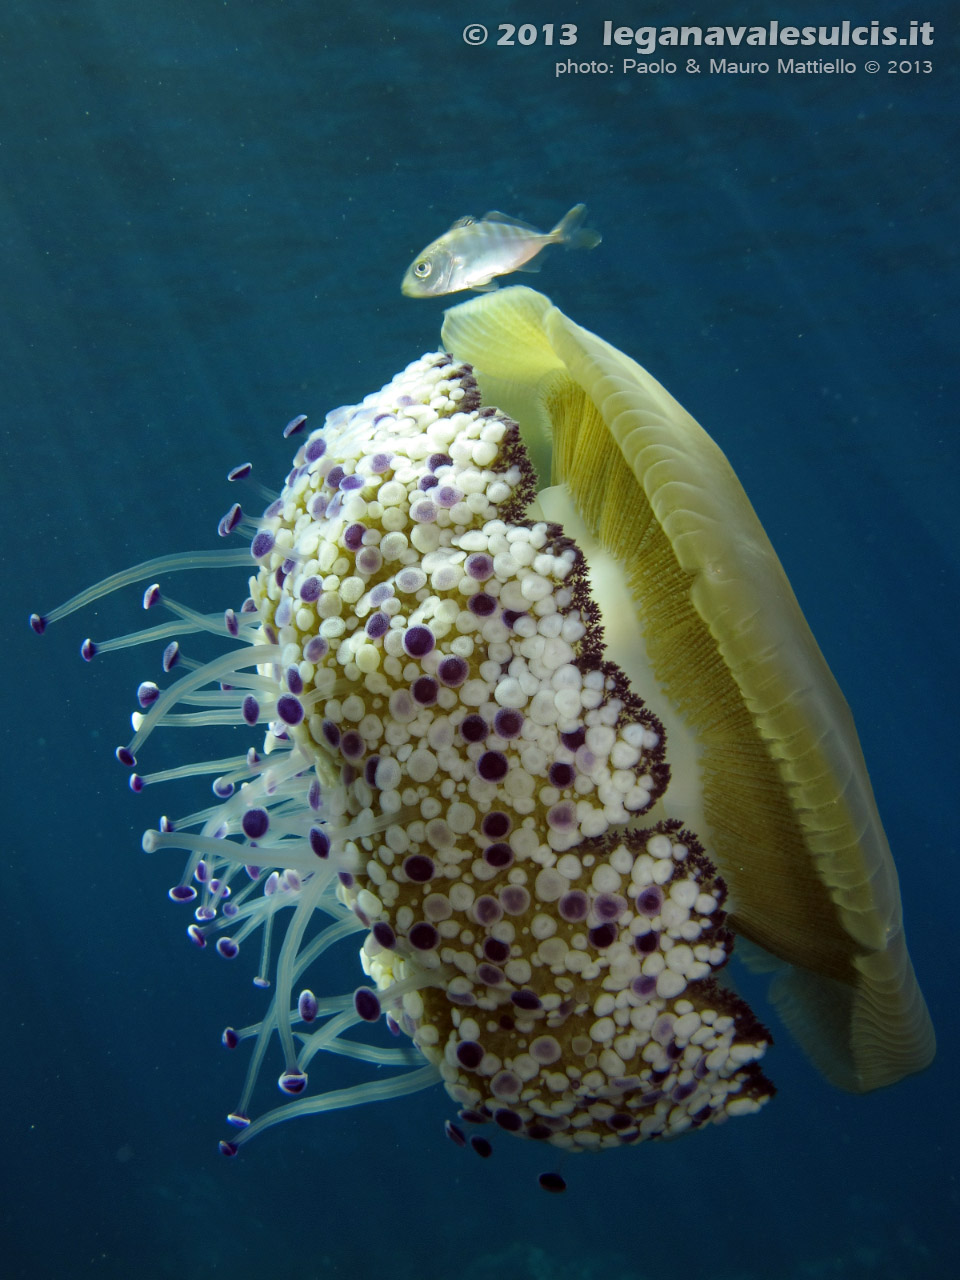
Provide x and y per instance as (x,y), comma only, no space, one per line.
(779,788)
(451,761)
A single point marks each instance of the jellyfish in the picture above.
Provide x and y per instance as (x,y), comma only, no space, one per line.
(536,720)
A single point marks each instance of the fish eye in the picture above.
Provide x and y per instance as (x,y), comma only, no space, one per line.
(422,270)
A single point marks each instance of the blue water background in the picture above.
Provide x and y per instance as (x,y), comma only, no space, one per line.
(205,209)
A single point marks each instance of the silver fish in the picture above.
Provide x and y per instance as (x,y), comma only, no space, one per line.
(473,251)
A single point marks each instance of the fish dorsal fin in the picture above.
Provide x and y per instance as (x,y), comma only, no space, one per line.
(496,216)
(468,221)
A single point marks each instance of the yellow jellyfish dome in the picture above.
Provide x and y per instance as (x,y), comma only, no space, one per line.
(775,781)
(514,736)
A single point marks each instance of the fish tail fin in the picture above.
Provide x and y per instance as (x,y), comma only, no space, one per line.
(572,234)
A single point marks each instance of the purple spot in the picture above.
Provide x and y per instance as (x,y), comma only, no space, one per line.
(645,985)
(351,483)
(370,770)
(384,935)
(487,910)
(510,617)
(437,460)
(380,462)
(650,900)
(351,745)
(353,536)
(293,1082)
(378,624)
(307,1006)
(609,905)
(562,817)
(447,496)
(182,893)
(469,1116)
(455,1134)
(289,709)
(514,899)
(424,691)
(574,739)
(367,1004)
(505,1084)
(369,560)
(262,544)
(230,521)
(418,868)
(496,950)
(294,680)
(647,943)
(507,1119)
(423,936)
(604,935)
(469,1054)
(319,842)
(574,905)
(147,693)
(315,649)
(507,723)
(474,728)
(331,733)
(316,447)
(294,425)
(427,482)
(495,825)
(481,604)
(419,641)
(498,855)
(171,655)
(334,476)
(479,567)
(453,671)
(229,1039)
(38,623)
(492,766)
(525,999)
(489,975)
(561,775)
(310,590)
(254,823)
(480,1145)
(424,511)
